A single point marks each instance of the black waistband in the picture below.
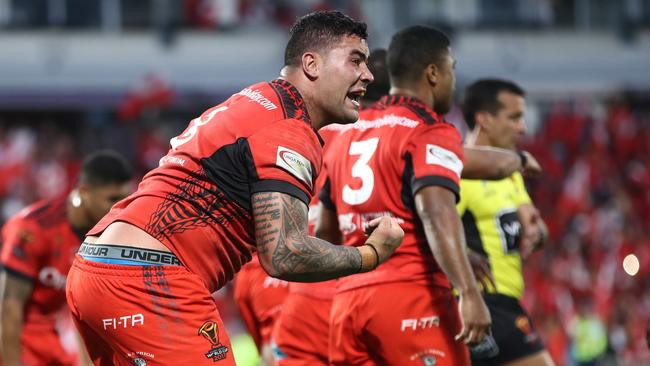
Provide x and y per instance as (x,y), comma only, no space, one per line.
(124,253)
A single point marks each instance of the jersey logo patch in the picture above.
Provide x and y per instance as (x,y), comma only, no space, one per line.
(437,155)
(295,164)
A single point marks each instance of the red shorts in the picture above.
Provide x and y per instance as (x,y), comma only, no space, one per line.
(300,335)
(399,323)
(146,315)
(259,299)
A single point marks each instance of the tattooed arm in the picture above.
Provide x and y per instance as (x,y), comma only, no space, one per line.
(287,252)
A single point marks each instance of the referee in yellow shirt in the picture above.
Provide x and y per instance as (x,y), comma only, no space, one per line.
(502,224)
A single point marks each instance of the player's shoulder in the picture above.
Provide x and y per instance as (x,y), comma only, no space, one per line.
(268,102)
(41,214)
(428,120)
(329,132)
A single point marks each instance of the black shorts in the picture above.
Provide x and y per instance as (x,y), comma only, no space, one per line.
(512,330)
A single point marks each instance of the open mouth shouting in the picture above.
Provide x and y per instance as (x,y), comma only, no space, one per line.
(355,97)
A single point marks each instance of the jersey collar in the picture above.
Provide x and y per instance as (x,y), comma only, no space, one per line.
(423,111)
(293,104)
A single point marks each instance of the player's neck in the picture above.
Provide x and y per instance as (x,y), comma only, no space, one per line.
(482,139)
(316,115)
(419,93)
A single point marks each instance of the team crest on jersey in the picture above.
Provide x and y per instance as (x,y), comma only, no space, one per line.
(427,357)
(210,331)
(139,361)
(429,360)
(294,163)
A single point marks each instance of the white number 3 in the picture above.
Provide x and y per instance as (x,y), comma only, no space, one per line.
(361,170)
(193,129)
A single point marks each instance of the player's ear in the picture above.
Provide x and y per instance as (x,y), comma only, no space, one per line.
(82,192)
(483,119)
(310,63)
(432,74)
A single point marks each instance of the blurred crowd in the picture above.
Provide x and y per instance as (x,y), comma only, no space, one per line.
(595,198)
(175,14)
(594,195)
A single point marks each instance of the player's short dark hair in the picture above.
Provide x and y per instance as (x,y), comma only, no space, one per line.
(377,66)
(412,49)
(319,31)
(483,95)
(105,167)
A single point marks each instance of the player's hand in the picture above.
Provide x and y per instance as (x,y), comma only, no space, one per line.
(531,232)
(532,167)
(385,235)
(475,318)
(481,267)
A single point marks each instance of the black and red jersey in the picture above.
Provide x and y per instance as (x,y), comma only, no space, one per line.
(39,244)
(198,201)
(376,166)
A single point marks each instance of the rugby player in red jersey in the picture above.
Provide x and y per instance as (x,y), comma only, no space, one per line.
(237,180)
(300,335)
(38,246)
(401,159)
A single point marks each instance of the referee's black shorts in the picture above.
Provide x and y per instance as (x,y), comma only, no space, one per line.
(512,330)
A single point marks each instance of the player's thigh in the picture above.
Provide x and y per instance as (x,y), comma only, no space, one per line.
(300,335)
(415,328)
(347,319)
(157,316)
(259,298)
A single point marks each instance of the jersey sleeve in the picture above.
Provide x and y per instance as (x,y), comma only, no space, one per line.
(521,194)
(286,158)
(436,155)
(21,248)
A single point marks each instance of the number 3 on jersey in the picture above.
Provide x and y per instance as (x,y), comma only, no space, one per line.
(194,128)
(361,170)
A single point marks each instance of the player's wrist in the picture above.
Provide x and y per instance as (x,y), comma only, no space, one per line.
(369,258)
(471,290)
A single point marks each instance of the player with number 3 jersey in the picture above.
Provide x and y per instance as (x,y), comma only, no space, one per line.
(401,159)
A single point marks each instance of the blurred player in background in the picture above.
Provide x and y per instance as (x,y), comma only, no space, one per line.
(300,336)
(403,160)
(502,224)
(239,179)
(38,246)
(259,299)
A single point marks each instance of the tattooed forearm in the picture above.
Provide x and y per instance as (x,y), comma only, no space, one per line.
(285,249)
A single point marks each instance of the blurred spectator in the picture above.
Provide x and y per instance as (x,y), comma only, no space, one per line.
(589,336)
(597,178)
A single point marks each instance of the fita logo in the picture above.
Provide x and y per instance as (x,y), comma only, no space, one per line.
(210,331)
